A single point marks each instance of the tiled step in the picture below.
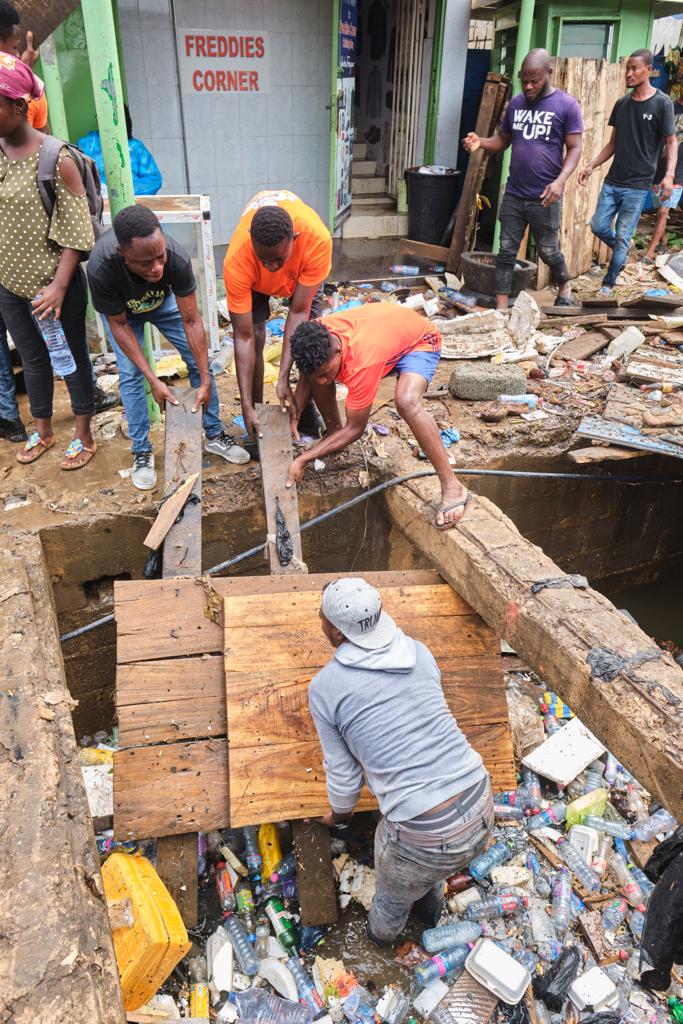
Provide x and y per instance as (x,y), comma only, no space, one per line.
(360,150)
(364,168)
(375,222)
(361,186)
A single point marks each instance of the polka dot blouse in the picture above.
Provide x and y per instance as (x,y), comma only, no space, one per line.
(30,241)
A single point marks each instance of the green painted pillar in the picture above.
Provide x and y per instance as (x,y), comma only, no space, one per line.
(53,89)
(522,46)
(100,34)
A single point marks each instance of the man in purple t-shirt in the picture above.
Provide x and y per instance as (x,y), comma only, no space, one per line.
(544,127)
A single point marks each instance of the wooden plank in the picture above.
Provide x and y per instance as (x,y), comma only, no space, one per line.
(490,108)
(183,458)
(583,347)
(170,789)
(425,251)
(603,453)
(625,436)
(318,894)
(182,556)
(168,618)
(58,960)
(177,860)
(275,758)
(551,314)
(168,513)
(275,455)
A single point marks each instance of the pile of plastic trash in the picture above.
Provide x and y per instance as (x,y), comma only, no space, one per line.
(548,923)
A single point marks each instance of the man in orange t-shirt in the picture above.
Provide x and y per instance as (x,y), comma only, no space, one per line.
(280,247)
(358,348)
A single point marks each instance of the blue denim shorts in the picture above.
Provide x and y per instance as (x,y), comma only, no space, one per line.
(672,202)
(424,363)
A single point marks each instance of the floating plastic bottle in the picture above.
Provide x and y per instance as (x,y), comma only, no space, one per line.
(532,789)
(551,724)
(562,891)
(496,906)
(626,881)
(453,934)
(443,964)
(359,1006)
(601,858)
(199,989)
(646,886)
(246,909)
(283,926)
(582,871)
(286,868)
(244,951)
(502,812)
(614,915)
(58,349)
(252,852)
(549,951)
(610,828)
(527,959)
(260,1007)
(484,864)
(404,270)
(636,922)
(553,815)
(530,400)
(224,887)
(635,803)
(458,882)
(262,943)
(308,993)
(660,821)
(611,769)
(269,848)
(577,906)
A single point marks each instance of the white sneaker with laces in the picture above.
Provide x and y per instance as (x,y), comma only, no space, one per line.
(224,446)
(143,473)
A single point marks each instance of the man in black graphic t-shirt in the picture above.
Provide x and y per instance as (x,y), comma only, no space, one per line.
(641,121)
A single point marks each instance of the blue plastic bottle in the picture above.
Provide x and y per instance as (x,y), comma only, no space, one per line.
(443,964)
(484,864)
(252,853)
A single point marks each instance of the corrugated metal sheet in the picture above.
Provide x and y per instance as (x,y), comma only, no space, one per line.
(43,16)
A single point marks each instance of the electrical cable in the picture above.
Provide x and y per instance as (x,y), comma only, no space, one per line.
(378,488)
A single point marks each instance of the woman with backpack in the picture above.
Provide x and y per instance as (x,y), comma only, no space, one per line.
(40,271)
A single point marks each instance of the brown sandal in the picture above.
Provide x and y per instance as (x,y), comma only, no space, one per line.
(75,449)
(34,448)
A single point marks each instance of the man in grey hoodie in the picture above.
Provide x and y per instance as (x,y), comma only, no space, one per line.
(380,712)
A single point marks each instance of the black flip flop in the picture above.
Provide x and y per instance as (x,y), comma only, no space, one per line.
(449,508)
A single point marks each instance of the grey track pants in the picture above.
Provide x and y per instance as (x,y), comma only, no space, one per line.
(406,874)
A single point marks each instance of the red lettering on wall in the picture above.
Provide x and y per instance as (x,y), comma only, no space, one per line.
(200,45)
(220,81)
(197,80)
(259,49)
(232,81)
(189,40)
(211,46)
(253,81)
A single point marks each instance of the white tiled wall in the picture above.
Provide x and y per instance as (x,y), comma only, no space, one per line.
(235,144)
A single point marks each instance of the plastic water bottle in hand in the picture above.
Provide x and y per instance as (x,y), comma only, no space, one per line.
(58,349)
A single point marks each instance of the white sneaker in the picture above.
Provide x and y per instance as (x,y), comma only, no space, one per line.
(143,473)
(224,446)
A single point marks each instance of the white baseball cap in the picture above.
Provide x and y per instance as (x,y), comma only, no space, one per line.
(355,608)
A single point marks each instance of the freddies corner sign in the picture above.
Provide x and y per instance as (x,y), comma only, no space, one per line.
(212,61)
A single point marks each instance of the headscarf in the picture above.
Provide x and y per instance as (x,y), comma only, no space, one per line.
(17,81)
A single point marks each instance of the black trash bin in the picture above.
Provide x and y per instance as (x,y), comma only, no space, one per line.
(431,201)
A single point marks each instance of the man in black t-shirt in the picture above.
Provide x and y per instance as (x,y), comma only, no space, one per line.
(641,121)
(139,276)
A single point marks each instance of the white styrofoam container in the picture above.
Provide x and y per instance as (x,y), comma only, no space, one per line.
(430,997)
(497,971)
(593,989)
(586,841)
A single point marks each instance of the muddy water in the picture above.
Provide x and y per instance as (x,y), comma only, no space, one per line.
(657,607)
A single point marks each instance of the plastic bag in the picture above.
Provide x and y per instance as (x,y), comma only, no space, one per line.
(606,1017)
(552,987)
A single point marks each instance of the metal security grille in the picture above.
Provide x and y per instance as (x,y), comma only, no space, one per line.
(411,17)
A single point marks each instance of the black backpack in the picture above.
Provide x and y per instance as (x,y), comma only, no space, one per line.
(90,176)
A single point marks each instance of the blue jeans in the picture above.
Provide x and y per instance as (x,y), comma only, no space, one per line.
(9,410)
(166,319)
(614,221)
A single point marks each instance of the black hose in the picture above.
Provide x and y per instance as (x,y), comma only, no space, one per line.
(345,505)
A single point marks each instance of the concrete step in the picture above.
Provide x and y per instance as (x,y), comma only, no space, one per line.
(375,222)
(360,150)
(361,186)
(374,199)
(364,168)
